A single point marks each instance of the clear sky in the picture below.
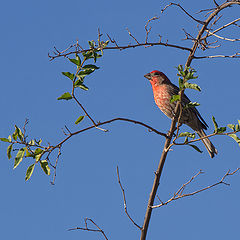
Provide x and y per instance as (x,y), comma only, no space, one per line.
(86,184)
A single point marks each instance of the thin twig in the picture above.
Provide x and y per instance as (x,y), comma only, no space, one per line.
(55,166)
(148,30)
(179,194)
(90,229)
(223,38)
(178,5)
(226,25)
(125,202)
(130,34)
(236,55)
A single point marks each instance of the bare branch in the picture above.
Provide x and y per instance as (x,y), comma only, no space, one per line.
(215,3)
(123,47)
(90,229)
(125,202)
(226,25)
(179,194)
(178,5)
(109,121)
(55,166)
(130,34)
(148,30)
(236,55)
(223,38)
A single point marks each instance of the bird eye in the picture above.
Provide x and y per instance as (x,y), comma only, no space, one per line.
(156,73)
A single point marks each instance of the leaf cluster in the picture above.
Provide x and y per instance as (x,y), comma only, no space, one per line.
(184,76)
(32,149)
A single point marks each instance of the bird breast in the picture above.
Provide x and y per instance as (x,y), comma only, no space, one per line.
(162,98)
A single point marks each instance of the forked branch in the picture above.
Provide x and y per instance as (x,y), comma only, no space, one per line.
(180,192)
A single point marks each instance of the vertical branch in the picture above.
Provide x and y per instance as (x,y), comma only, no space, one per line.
(174,121)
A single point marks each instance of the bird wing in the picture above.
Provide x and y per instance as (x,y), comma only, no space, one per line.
(185,101)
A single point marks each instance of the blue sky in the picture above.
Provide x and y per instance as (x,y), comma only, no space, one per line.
(86,184)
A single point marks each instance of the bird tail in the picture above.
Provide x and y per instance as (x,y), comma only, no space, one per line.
(208,144)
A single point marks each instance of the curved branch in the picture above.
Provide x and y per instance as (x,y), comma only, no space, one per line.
(64,53)
(107,122)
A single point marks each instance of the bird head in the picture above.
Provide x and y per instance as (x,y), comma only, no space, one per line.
(157,78)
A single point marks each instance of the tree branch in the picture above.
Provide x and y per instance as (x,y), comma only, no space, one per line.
(125,202)
(236,55)
(174,121)
(123,47)
(90,229)
(179,194)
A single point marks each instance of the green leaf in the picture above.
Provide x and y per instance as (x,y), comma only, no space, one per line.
(91,44)
(191,104)
(81,85)
(29,171)
(88,54)
(9,149)
(32,142)
(90,66)
(215,124)
(86,72)
(19,132)
(180,68)
(221,129)
(5,140)
(69,75)
(39,141)
(76,61)
(187,134)
(45,167)
(217,129)
(65,96)
(195,147)
(234,136)
(14,135)
(78,82)
(192,86)
(231,126)
(28,154)
(19,157)
(95,55)
(79,119)
(38,151)
(84,87)
(10,138)
(38,154)
(174,98)
(180,82)
(237,127)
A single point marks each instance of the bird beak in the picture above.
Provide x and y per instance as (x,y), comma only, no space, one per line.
(148,76)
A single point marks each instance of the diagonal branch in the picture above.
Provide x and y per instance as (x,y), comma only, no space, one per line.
(174,121)
(223,38)
(125,202)
(179,194)
(226,25)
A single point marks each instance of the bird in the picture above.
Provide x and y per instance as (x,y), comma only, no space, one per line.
(163,90)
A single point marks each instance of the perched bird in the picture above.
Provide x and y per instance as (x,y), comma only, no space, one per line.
(163,90)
